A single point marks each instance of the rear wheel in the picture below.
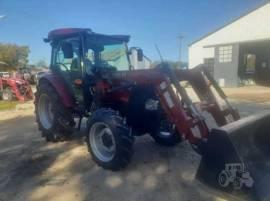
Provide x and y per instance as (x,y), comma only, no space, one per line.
(109,140)
(7,94)
(54,120)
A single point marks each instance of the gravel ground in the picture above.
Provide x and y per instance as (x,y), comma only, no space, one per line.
(33,170)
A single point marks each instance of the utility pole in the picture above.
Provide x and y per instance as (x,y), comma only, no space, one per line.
(180,38)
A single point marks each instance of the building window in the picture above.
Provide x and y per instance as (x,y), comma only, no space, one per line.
(225,54)
(209,64)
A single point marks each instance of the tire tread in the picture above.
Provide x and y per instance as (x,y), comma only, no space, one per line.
(125,148)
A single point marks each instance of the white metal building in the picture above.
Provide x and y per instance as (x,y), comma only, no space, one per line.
(144,64)
(237,52)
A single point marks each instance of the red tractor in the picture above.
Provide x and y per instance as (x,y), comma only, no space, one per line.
(13,88)
(91,77)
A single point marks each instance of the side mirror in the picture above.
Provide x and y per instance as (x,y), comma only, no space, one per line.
(139,54)
(67,50)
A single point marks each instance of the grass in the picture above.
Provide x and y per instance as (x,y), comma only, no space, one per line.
(7,105)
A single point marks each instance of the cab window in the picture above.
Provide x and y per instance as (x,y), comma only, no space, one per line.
(67,55)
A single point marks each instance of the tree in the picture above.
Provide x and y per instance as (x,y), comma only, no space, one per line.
(13,55)
(174,64)
(42,64)
(22,53)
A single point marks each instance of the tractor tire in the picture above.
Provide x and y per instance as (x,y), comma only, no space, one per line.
(109,140)
(224,179)
(54,120)
(165,135)
(7,94)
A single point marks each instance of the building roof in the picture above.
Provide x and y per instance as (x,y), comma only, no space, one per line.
(245,14)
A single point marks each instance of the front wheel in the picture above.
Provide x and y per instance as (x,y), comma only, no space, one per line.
(109,140)
(223,179)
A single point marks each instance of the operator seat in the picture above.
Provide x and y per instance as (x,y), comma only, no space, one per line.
(75,69)
(89,80)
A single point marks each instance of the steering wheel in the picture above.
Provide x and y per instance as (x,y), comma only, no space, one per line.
(67,69)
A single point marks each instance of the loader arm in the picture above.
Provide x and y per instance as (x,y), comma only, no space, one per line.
(191,123)
(181,112)
(209,92)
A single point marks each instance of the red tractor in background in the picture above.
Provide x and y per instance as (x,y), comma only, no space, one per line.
(13,88)
(91,77)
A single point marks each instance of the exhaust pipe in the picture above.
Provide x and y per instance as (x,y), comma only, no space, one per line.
(236,158)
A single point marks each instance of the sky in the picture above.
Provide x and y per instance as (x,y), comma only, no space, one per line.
(150,22)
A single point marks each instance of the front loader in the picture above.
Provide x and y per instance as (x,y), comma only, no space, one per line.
(91,76)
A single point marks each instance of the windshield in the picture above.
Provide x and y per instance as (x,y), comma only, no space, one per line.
(115,55)
(107,52)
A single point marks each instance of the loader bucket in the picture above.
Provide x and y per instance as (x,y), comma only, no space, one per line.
(236,159)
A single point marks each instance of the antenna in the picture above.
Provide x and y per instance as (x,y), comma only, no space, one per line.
(158,50)
(180,49)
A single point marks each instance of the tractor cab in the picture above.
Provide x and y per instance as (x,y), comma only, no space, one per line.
(83,50)
(78,55)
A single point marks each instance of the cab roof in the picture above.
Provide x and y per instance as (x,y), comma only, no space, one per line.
(66,32)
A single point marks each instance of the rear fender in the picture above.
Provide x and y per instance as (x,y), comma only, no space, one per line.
(59,85)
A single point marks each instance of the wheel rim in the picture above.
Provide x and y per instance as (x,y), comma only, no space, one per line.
(5,96)
(165,134)
(223,180)
(165,129)
(45,113)
(102,141)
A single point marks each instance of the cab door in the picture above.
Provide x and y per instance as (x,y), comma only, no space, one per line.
(67,63)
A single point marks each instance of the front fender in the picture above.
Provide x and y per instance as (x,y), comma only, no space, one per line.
(60,87)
